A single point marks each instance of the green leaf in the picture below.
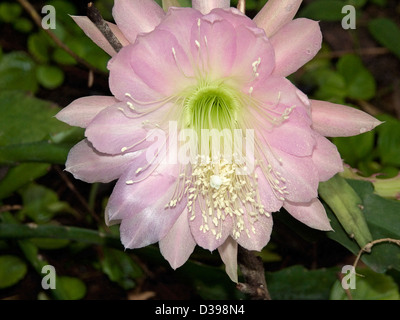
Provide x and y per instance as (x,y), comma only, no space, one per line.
(325,10)
(120,268)
(345,203)
(332,86)
(360,83)
(388,143)
(25,119)
(17,177)
(23,25)
(383,219)
(38,47)
(356,148)
(9,11)
(61,57)
(298,283)
(70,288)
(50,77)
(12,270)
(387,33)
(17,72)
(50,244)
(372,286)
(41,204)
(42,151)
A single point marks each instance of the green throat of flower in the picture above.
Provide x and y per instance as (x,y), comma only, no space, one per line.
(212,106)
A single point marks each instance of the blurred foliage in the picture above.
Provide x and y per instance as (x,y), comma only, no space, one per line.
(42,220)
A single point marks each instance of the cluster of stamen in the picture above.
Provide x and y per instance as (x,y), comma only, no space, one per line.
(215,192)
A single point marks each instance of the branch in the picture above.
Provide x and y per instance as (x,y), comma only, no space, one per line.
(252,269)
(369,245)
(95,16)
(38,20)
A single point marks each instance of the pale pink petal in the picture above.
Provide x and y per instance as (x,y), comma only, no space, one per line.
(161,63)
(228,252)
(256,233)
(81,112)
(179,21)
(275,14)
(213,44)
(124,80)
(178,244)
(326,158)
(204,229)
(291,136)
(269,199)
(117,129)
(206,6)
(135,17)
(312,214)
(142,208)
(300,176)
(278,94)
(255,58)
(97,37)
(87,164)
(295,44)
(235,17)
(336,120)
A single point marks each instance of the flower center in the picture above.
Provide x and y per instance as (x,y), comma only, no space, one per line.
(211,106)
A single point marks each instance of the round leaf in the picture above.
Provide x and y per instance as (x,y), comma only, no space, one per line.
(49,77)
(70,288)
(12,270)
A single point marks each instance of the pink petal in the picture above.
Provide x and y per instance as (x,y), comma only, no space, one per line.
(124,80)
(326,158)
(179,21)
(157,58)
(86,164)
(213,44)
(97,37)
(312,214)
(299,173)
(114,131)
(256,234)
(228,252)
(235,17)
(206,6)
(277,94)
(204,236)
(134,17)
(335,120)
(275,14)
(291,136)
(268,198)
(178,244)
(254,55)
(81,112)
(295,44)
(141,206)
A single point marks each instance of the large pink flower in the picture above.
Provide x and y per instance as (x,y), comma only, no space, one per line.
(211,68)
